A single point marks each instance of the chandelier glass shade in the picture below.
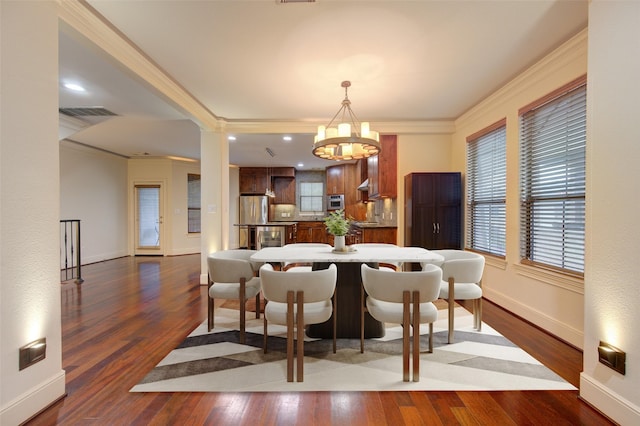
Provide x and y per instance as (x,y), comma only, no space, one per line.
(348,139)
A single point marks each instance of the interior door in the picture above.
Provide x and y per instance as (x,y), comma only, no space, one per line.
(148,219)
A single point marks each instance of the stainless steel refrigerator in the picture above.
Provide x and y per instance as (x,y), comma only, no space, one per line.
(254,210)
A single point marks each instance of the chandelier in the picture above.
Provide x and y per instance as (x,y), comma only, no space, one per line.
(347,140)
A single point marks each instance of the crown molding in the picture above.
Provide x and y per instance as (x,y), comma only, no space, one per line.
(574,49)
(80,16)
(391,127)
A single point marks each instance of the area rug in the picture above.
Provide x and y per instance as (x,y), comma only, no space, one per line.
(217,362)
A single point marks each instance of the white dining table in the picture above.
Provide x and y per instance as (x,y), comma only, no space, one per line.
(349,279)
(295,253)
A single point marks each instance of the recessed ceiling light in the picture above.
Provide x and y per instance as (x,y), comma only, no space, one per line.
(300,165)
(231,138)
(286,138)
(74,87)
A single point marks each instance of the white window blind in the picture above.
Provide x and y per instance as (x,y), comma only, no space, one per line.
(487,190)
(552,180)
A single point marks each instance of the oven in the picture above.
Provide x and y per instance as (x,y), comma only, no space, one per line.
(335,202)
(270,236)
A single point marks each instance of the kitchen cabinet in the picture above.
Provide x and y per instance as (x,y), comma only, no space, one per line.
(291,232)
(362,173)
(254,180)
(335,180)
(377,234)
(433,210)
(312,232)
(285,190)
(382,170)
(282,172)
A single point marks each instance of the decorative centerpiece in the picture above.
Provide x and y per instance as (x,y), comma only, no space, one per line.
(338,225)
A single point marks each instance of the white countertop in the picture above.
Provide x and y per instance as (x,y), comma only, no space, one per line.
(271,224)
(363,254)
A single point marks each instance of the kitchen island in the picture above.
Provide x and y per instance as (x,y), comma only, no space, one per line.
(254,236)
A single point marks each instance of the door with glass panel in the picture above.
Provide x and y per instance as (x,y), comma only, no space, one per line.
(148,219)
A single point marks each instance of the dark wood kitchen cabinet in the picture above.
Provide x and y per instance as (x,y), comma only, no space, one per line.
(285,190)
(254,180)
(433,210)
(335,180)
(382,169)
(312,232)
(291,234)
(378,234)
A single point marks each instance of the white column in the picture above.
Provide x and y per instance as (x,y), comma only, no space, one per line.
(29,207)
(214,176)
(611,260)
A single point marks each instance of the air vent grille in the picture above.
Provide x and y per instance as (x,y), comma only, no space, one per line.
(295,1)
(86,112)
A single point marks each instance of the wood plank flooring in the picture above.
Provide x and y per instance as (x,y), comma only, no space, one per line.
(130,312)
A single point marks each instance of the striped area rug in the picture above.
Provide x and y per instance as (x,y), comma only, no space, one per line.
(216,362)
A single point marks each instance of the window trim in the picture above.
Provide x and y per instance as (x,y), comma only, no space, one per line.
(499,125)
(524,229)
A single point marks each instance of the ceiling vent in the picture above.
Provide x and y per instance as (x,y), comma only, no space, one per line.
(86,112)
(295,1)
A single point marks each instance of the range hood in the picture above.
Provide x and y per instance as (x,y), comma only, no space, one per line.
(364,186)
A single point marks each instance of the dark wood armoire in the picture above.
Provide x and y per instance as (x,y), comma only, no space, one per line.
(433,210)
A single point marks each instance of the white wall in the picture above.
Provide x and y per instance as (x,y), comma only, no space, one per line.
(29,208)
(93,188)
(182,241)
(612,289)
(419,153)
(551,301)
(172,175)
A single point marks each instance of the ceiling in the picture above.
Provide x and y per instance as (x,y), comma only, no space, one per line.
(262,61)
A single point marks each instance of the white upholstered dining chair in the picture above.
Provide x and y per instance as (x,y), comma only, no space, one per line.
(297,266)
(383,266)
(404,298)
(462,280)
(232,276)
(296,299)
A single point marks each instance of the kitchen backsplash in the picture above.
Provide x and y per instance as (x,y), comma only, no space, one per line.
(381,211)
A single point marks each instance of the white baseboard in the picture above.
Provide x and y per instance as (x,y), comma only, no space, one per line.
(32,402)
(607,402)
(561,330)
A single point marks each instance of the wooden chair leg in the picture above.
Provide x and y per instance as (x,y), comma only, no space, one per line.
(290,336)
(209,306)
(451,308)
(478,310)
(430,337)
(243,307)
(258,305)
(264,333)
(362,309)
(478,314)
(416,336)
(406,324)
(210,314)
(300,342)
(335,320)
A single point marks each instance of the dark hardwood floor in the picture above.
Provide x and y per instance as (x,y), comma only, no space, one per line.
(130,312)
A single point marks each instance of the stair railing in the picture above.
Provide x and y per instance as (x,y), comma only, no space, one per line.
(70,250)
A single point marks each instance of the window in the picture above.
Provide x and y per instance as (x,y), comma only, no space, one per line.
(487,189)
(193,203)
(552,179)
(311,196)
